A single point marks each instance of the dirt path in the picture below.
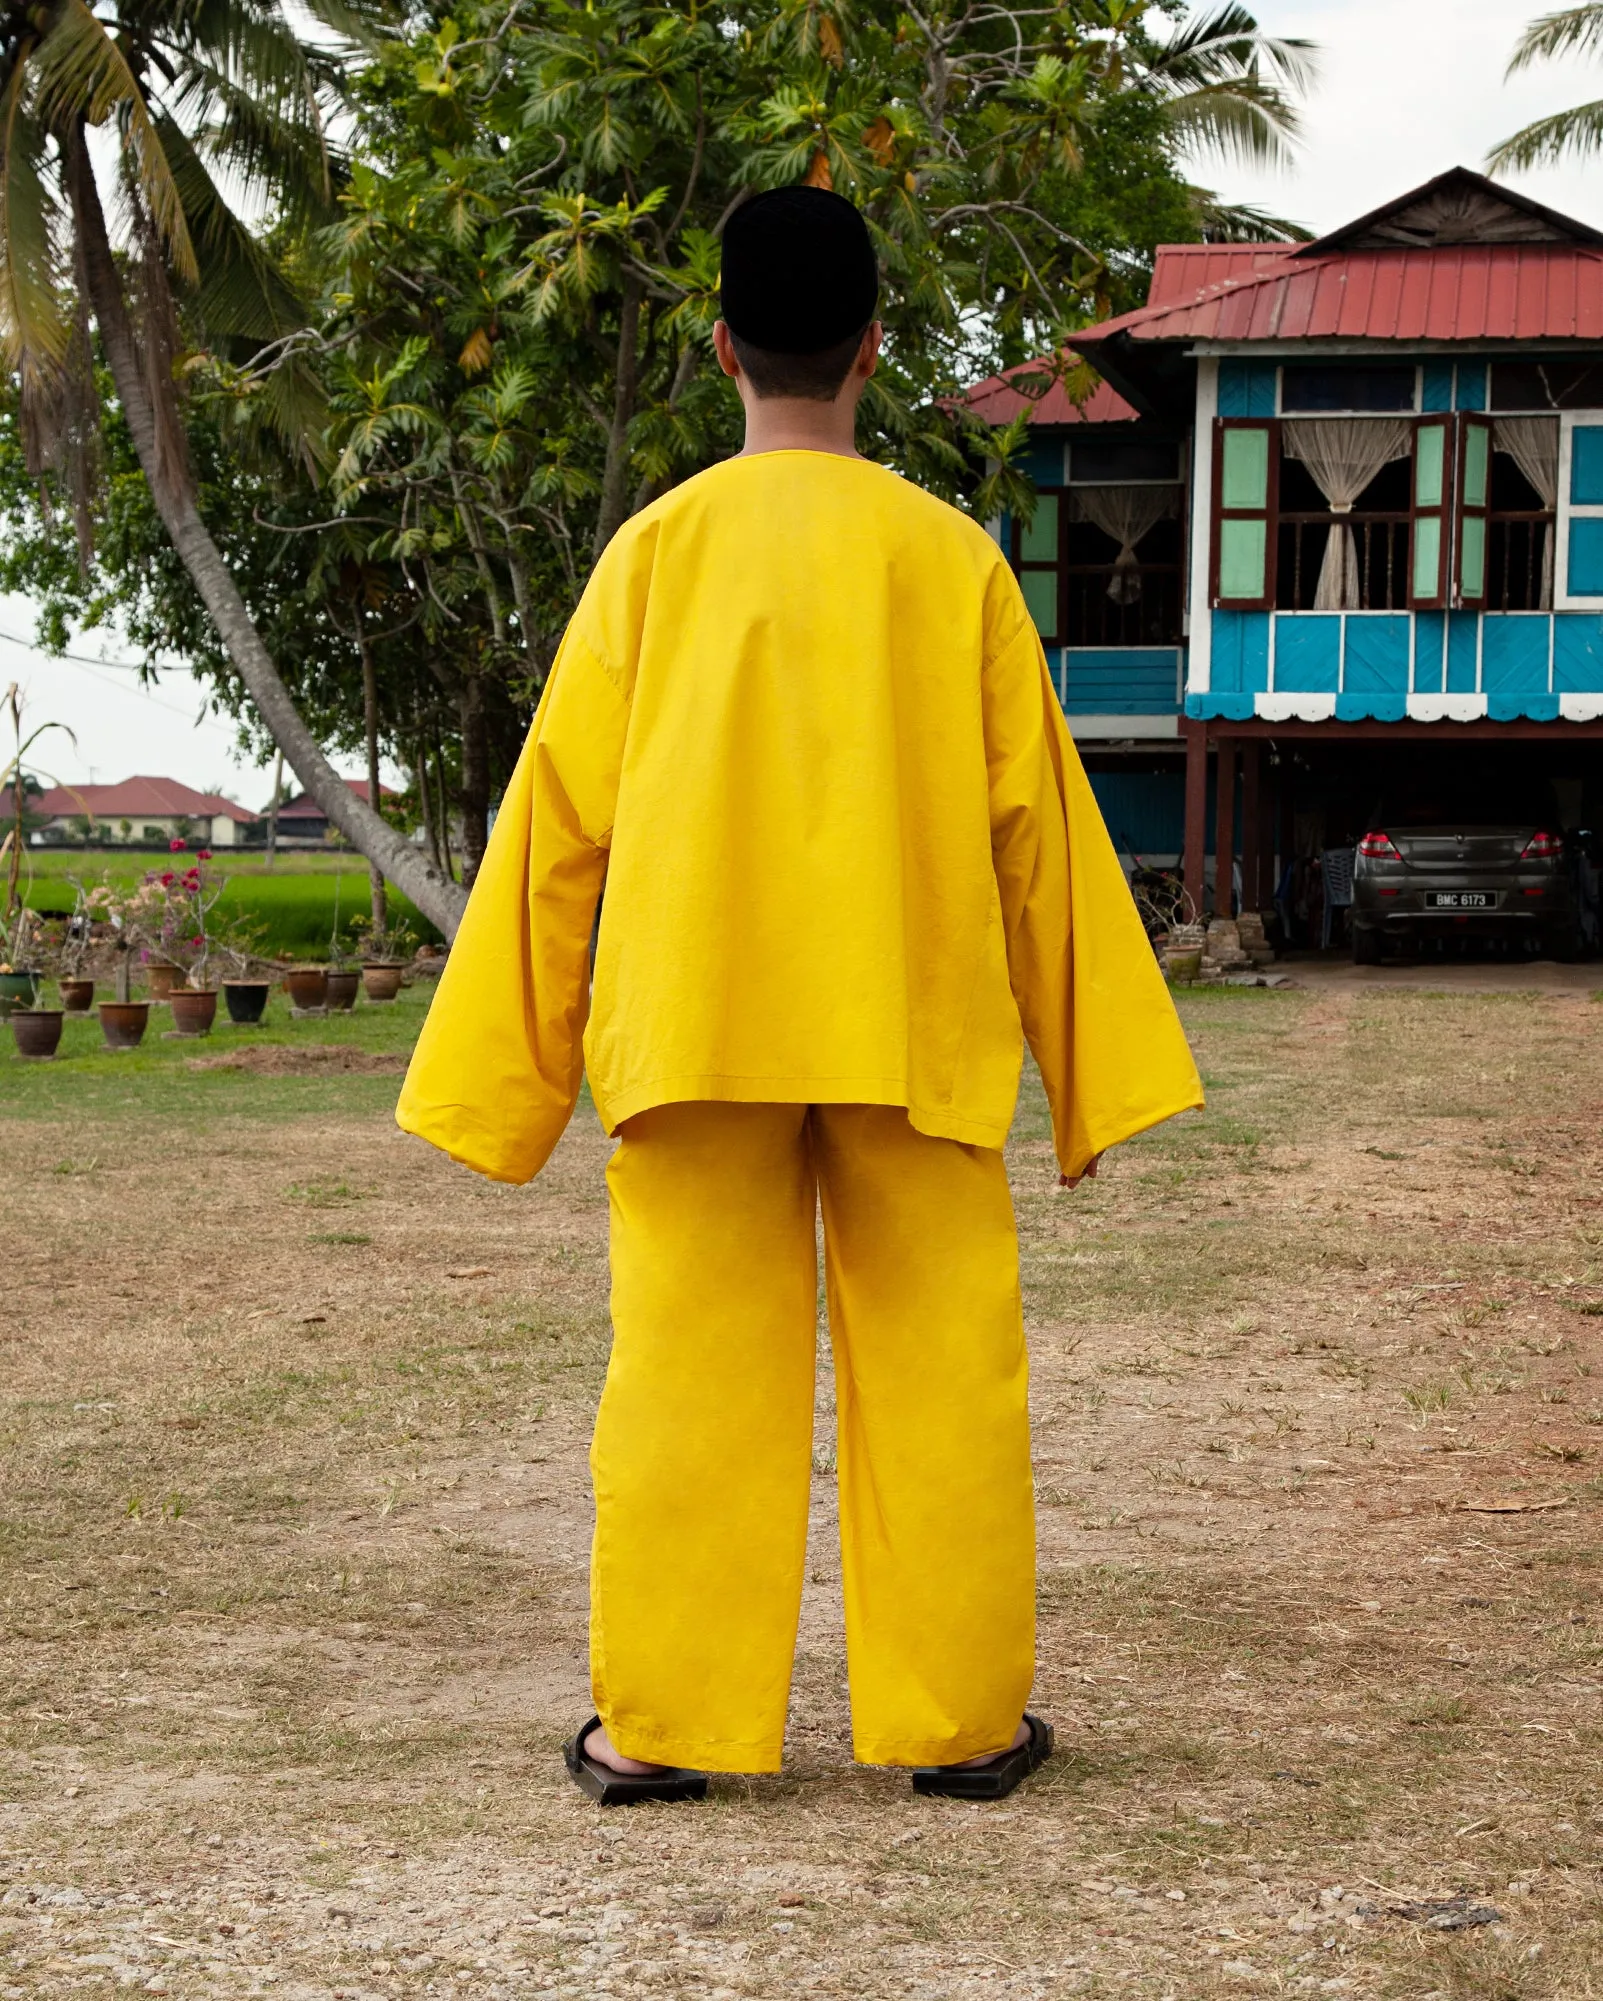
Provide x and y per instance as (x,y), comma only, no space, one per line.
(295,1525)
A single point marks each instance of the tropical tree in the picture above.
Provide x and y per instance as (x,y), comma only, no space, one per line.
(1572,31)
(198,111)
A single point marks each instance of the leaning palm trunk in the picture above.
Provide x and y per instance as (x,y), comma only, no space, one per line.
(172,489)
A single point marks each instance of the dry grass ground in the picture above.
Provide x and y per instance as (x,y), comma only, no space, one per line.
(294,1524)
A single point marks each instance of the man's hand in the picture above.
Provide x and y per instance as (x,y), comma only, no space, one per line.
(1074,1180)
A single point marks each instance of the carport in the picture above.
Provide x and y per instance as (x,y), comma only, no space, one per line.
(1280,790)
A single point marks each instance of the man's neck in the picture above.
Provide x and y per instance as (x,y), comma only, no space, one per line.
(797,424)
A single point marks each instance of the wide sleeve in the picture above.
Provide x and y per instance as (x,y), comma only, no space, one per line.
(496,1072)
(1095,1007)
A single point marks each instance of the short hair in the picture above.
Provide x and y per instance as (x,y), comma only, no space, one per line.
(816,378)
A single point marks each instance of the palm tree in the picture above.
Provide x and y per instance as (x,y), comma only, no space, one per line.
(180,100)
(1571,31)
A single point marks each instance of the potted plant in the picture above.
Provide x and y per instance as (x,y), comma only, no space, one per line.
(384,951)
(75,986)
(344,975)
(244,982)
(307,986)
(37,1031)
(20,949)
(123,1019)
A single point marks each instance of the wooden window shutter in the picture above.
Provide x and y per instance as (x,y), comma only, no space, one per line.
(1428,570)
(1246,482)
(1038,559)
(1474,494)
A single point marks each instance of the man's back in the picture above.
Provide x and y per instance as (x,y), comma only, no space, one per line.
(800,900)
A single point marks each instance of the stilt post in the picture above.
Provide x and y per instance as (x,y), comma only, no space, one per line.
(1224,839)
(1196,817)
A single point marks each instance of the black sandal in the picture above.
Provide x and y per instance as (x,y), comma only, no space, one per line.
(609,1788)
(997,1777)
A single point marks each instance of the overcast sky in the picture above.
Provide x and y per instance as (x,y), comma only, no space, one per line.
(1408,88)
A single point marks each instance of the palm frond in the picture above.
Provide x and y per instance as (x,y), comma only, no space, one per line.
(1208,48)
(83,72)
(240,291)
(35,327)
(1241,222)
(1578,132)
(1246,120)
(1570,31)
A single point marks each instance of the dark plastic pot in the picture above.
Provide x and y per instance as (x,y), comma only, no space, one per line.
(122,1023)
(194,1009)
(38,1031)
(17,990)
(381,981)
(308,985)
(77,996)
(342,989)
(163,978)
(246,1000)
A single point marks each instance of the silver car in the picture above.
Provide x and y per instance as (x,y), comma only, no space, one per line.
(1416,883)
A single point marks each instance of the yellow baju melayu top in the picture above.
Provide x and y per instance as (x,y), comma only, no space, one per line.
(802,727)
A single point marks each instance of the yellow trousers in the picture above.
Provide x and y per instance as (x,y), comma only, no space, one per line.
(703,1444)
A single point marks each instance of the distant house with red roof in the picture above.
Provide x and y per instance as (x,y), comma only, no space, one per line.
(139,810)
(302,819)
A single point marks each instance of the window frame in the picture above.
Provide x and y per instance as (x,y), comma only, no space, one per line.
(1569,511)
(1268,514)
(1440,511)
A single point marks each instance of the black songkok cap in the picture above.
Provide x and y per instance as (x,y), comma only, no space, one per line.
(798,271)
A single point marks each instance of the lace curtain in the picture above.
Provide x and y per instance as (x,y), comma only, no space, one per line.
(1124,514)
(1343,454)
(1532,443)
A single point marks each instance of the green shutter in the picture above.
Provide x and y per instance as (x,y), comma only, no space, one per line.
(1474,494)
(1432,484)
(1245,461)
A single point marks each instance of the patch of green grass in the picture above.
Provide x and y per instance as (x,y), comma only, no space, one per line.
(158,1079)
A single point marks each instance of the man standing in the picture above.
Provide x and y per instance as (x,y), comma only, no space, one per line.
(802,726)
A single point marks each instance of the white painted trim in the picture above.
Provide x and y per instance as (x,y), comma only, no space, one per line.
(1295,708)
(1199,663)
(1563,598)
(1581,707)
(1084,728)
(1446,708)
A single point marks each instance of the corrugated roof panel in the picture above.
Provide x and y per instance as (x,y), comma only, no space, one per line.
(998,401)
(1182,271)
(1547,291)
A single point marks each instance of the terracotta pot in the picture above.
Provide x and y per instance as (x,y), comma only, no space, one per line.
(17,990)
(122,1023)
(77,996)
(246,1000)
(380,980)
(194,1009)
(342,989)
(308,985)
(163,978)
(38,1031)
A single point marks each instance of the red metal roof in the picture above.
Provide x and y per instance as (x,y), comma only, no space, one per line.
(1182,272)
(998,401)
(162,798)
(304,807)
(1479,292)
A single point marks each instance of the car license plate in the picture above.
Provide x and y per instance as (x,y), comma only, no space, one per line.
(1461,899)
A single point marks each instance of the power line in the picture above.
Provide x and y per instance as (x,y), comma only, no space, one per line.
(83,660)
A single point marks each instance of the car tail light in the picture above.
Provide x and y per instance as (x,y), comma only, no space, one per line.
(1541,847)
(1376,844)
